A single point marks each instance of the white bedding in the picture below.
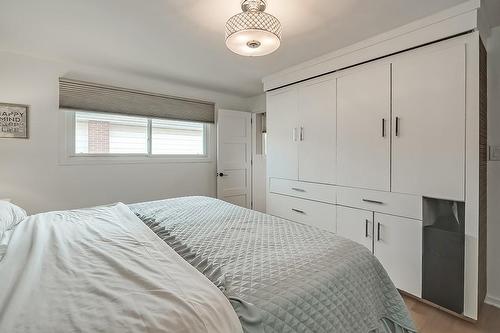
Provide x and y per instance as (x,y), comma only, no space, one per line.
(103,270)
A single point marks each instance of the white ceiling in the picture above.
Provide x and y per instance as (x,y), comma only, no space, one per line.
(183,40)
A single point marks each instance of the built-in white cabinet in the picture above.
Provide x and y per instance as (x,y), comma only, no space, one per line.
(397,126)
(395,241)
(317,128)
(310,191)
(314,213)
(301,131)
(356,225)
(307,203)
(282,153)
(375,142)
(381,201)
(426,124)
(428,148)
(363,127)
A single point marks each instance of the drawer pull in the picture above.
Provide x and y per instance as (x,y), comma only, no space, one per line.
(366,228)
(298,189)
(298,211)
(373,201)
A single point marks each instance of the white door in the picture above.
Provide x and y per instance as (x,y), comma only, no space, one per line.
(356,225)
(363,127)
(428,154)
(234,153)
(282,134)
(398,247)
(317,132)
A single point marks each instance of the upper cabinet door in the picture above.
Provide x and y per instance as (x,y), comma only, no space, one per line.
(363,127)
(317,132)
(428,155)
(283,132)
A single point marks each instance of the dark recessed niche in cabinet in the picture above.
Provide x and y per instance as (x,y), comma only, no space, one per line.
(443,253)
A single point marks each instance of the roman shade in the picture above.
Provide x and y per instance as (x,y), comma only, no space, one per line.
(80,95)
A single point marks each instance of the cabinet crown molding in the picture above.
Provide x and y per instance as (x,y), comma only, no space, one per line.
(450,22)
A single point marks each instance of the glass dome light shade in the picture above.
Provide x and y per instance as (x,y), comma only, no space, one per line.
(253,33)
(253,42)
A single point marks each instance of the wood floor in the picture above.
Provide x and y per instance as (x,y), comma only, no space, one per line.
(431,320)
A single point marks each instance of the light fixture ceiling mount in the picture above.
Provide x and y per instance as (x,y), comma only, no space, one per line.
(253,32)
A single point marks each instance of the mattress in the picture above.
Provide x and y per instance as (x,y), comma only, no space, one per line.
(280,276)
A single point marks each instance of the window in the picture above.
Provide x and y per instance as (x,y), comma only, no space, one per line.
(101,134)
(97,133)
(171,137)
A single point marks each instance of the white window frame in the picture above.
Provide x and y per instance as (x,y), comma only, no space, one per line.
(67,155)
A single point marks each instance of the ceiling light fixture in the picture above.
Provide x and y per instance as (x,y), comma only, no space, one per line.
(253,32)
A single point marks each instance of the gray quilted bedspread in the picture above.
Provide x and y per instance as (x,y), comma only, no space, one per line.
(280,276)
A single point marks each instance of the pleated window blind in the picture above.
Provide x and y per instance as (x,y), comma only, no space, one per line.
(80,95)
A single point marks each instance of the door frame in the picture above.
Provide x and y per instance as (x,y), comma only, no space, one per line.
(253,161)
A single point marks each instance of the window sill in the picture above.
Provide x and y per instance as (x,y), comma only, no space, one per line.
(130,159)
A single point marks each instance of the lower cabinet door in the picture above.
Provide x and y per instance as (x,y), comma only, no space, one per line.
(317,214)
(398,246)
(356,225)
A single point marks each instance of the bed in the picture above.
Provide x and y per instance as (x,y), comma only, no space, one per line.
(192,264)
(280,276)
(101,270)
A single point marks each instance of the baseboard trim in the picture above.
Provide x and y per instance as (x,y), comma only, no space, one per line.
(491,300)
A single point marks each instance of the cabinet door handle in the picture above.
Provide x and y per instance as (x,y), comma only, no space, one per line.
(298,211)
(294,134)
(366,228)
(378,231)
(301,135)
(298,189)
(397,126)
(373,201)
(383,127)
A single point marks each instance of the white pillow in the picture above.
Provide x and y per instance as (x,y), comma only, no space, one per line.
(10,216)
(4,242)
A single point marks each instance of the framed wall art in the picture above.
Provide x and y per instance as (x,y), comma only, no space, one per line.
(13,121)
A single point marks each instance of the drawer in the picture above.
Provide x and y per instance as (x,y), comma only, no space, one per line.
(317,214)
(311,191)
(383,202)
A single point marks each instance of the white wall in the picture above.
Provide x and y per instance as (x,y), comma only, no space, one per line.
(30,173)
(494,168)
(257,103)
